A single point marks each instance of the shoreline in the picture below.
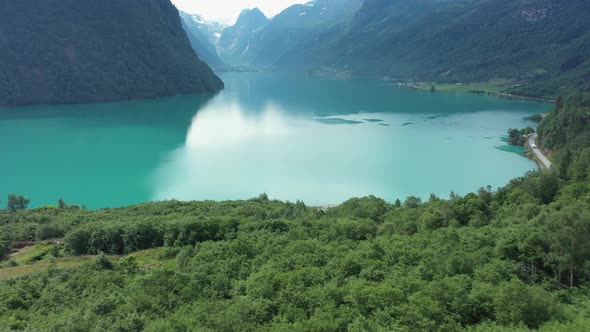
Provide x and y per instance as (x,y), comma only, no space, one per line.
(335,74)
(422,86)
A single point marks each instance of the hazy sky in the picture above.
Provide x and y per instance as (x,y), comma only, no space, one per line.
(227,11)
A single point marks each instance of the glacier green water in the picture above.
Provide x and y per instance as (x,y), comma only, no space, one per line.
(294,137)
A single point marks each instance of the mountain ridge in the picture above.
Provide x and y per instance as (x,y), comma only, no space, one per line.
(263,44)
(537,49)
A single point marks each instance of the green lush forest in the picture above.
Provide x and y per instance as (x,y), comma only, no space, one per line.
(531,48)
(79,51)
(515,258)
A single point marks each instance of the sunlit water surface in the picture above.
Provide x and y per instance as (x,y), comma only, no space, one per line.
(294,137)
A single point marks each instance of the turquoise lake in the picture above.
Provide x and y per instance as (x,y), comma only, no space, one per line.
(294,137)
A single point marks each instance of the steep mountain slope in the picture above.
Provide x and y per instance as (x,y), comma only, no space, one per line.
(264,45)
(301,23)
(209,31)
(72,51)
(203,36)
(534,45)
(203,49)
(237,42)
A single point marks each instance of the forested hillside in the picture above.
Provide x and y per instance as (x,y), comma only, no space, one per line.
(72,51)
(565,133)
(512,259)
(535,46)
(532,48)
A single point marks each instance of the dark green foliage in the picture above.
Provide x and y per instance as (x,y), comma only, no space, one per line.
(566,132)
(568,126)
(4,251)
(9,263)
(558,104)
(55,251)
(412,202)
(114,238)
(548,186)
(183,258)
(492,258)
(48,231)
(17,202)
(571,241)
(71,51)
(362,208)
(519,137)
(517,303)
(533,48)
(102,262)
(565,159)
(535,118)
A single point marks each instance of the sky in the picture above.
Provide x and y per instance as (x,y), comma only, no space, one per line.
(227,11)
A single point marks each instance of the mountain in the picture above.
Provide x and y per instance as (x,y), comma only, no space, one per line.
(253,41)
(236,42)
(298,24)
(539,48)
(203,36)
(83,51)
(210,31)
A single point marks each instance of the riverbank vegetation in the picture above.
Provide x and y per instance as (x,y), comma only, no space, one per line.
(261,264)
(519,136)
(498,89)
(462,87)
(512,259)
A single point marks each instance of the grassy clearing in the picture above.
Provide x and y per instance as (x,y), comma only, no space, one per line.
(64,262)
(156,257)
(36,253)
(463,88)
(25,258)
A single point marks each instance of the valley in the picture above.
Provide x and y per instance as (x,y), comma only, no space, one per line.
(331,165)
(526,46)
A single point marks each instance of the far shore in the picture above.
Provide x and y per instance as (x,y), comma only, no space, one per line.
(473,88)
